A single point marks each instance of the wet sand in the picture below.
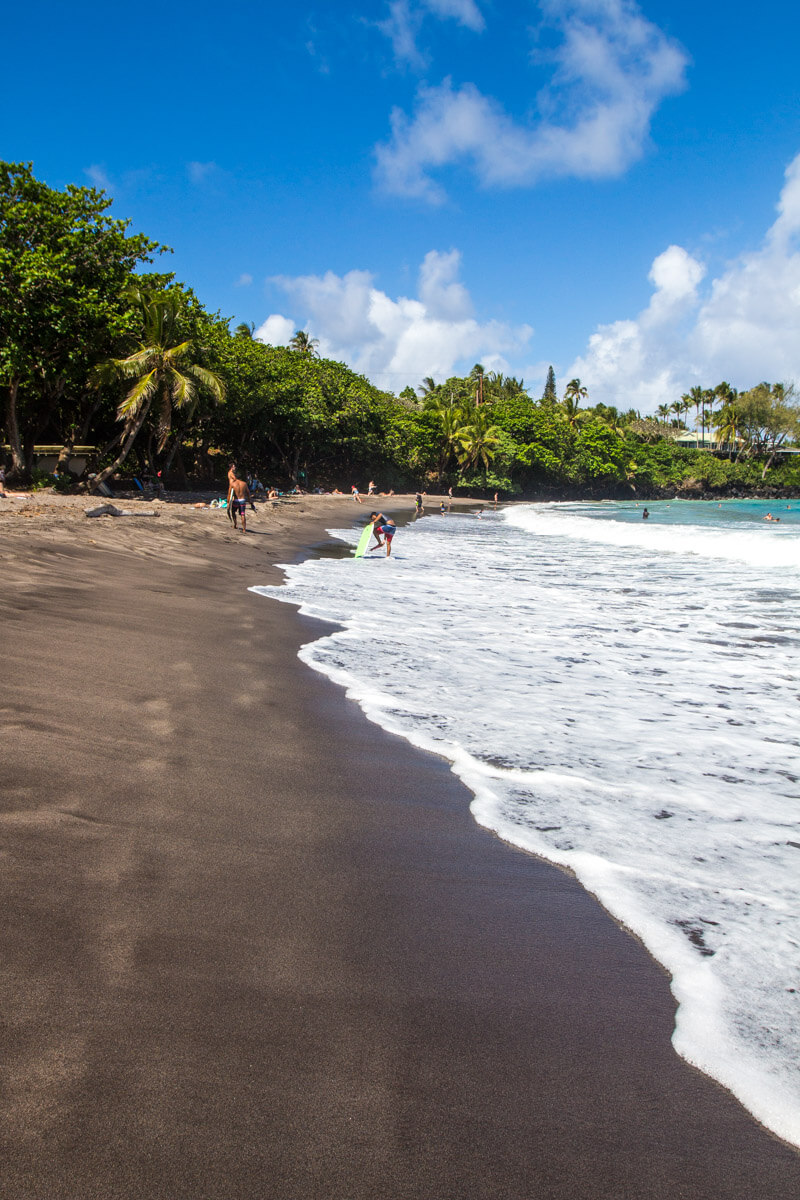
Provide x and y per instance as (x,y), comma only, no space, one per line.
(253,946)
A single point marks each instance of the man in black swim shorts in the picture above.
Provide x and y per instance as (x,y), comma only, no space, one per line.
(238,499)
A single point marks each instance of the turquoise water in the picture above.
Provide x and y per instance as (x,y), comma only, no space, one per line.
(708,514)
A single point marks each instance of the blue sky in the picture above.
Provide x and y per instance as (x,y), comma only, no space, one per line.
(607,186)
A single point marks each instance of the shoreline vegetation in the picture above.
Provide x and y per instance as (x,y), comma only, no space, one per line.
(99,351)
(238,964)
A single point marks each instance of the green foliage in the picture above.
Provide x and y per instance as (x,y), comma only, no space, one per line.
(64,266)
(73,296)
(599,454)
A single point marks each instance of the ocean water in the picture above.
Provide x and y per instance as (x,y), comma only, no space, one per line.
(621,696)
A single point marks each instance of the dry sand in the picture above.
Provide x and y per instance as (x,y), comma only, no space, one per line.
(254,947)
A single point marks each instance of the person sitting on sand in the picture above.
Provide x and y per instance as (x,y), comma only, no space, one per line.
(383,525)
(238,499)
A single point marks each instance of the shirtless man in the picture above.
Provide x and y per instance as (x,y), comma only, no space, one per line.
(383,525)
(238,499)
(231,478)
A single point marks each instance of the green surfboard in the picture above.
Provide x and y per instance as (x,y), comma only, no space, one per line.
(362,541)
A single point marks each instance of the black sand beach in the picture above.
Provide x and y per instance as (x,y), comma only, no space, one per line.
(254,947)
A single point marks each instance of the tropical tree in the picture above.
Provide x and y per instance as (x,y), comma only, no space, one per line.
(478,441)
(478,375)
(64,266)
(245,329)
(694,397)
(575,391)
(573,394)
(663,411)
(726,423)
(549,395)
(427,387)
(303,343)
(164,370)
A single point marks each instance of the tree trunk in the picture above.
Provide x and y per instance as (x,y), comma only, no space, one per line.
(12,427)
(130,438)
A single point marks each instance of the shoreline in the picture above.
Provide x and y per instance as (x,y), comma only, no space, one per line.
(258,946)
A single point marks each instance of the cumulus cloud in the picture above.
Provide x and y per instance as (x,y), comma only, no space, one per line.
(276,330)
(742,327)
(610,71)
(395,342)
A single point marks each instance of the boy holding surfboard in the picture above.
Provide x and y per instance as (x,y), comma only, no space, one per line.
(383,525)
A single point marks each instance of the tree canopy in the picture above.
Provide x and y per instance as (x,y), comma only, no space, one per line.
(95,346)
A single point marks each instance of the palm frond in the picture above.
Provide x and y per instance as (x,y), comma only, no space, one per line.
(181,388)
(141,392)
(134,364)
(209,380)
(176,353)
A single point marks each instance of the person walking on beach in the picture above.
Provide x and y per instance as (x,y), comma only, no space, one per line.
(356,494)
(371,488)
(2,481)
(238,499)
(231,480)
(418,502)
(383,525)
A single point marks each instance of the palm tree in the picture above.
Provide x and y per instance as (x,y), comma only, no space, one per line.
(695,397)
(478,441)
(163,370)
(663,411)
(303,343)
(726,423)
(677,408)
(427,387)
(707,407)
(245,329)
(452,426)
(575,391)
(478,373)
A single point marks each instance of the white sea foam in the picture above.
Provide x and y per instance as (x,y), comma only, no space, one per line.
(621,698)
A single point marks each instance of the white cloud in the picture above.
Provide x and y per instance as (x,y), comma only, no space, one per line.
(404,22)
(244,280)
(743,328)
(276,330)
(402,27)
(395,342)
(610,72)
(466,12)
